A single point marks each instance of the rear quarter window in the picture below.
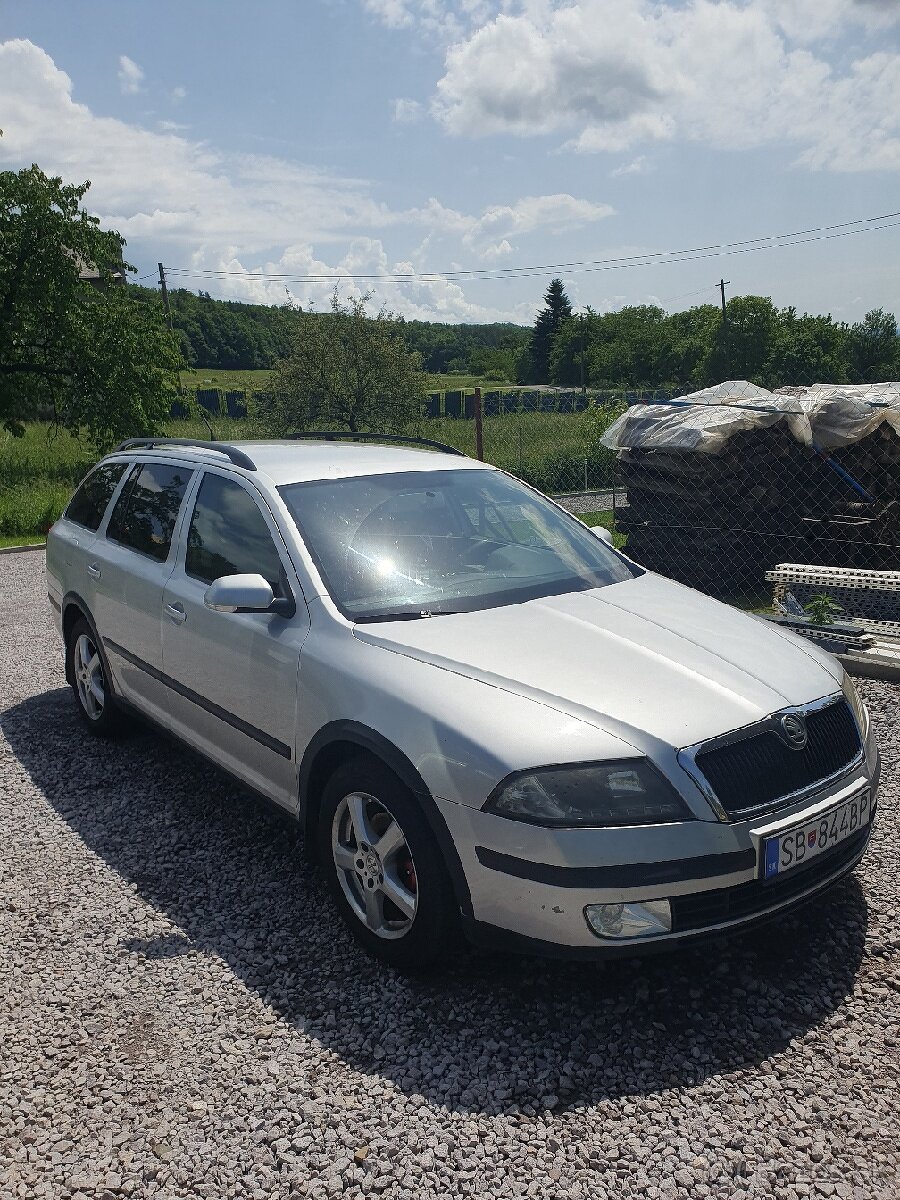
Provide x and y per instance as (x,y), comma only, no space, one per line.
(89,503)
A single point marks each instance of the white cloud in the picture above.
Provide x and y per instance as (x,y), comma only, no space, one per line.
(131,76)
(444,20)
(394,13)
(435,16)
(407,112)
(488,235)
(162,184)
(637,166)
(207,208)
(816,20)
(177,94)
(613,74)
(425,300)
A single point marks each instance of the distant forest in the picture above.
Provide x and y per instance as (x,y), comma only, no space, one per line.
(636,347)
(229,335)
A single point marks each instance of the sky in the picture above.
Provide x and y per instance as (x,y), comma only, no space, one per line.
(250,147)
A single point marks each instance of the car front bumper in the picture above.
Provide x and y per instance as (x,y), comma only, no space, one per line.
(529,887)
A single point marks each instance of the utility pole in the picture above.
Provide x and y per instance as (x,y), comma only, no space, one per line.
(165,293)
(581,327)
(725,332)
(165,299)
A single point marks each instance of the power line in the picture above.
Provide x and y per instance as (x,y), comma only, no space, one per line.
(710,287)
(501,272)
(583,266)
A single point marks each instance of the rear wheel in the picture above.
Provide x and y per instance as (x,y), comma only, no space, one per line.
(90,683)
(383,865)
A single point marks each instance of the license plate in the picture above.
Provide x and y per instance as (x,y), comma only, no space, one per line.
(796,846)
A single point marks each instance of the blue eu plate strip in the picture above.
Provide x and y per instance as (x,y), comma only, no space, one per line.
(773,846)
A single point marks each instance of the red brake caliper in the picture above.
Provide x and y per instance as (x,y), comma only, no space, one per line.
(409,875)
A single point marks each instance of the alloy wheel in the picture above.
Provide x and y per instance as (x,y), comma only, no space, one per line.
(374,865)
(89,677)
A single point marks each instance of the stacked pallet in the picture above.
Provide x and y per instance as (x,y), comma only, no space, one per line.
(719,521)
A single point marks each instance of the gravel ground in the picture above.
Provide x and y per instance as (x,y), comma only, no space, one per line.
(181,1015)
(584,502)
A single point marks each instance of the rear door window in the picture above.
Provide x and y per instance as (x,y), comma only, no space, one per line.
(145,513)
(229,535)
(89,503)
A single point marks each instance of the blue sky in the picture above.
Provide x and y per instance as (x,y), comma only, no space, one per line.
(340,137)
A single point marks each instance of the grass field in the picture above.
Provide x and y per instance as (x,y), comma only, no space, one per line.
(37,475)
(258,381)
(39,472)
(465,383)
(241,381)
(15,541)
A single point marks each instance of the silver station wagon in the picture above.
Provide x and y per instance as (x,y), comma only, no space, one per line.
(483,716)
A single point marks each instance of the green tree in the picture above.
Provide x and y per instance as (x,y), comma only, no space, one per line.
(574,335)
(807,349)
(692,335)
(499,364)
(556,311)
(348,370)
(743,341)
(72,338)
(631,348)
(872,348)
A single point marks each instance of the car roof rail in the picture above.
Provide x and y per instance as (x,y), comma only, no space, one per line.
(238,457)
(345,435)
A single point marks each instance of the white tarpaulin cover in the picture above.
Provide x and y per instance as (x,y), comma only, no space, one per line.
(825,415)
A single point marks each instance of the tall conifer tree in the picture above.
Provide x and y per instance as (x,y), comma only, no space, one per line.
(556,311)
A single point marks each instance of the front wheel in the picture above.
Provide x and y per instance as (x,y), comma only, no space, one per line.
(383,866)
(93,694)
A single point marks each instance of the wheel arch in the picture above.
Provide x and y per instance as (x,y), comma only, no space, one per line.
(73,607)
(334,744)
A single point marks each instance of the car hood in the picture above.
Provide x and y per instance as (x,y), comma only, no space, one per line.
(647,657)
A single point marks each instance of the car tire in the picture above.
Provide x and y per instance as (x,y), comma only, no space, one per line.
(383,866)
(86,667)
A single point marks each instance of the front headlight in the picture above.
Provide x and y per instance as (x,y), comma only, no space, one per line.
(851,695)
(629,792)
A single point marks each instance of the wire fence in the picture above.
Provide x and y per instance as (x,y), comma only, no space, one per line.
(545,439)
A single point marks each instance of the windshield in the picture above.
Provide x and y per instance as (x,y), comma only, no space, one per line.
(421,544)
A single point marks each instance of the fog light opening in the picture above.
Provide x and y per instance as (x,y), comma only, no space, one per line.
(631,919)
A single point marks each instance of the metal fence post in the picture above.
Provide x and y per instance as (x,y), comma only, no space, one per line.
(479,431)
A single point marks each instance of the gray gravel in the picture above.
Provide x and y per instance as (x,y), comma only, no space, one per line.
(182,1016)
(585,502)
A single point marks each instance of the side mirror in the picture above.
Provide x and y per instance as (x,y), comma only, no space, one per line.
(603,534)
(239,593)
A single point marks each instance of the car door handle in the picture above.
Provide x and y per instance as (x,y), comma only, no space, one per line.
(176,613)
(93,570)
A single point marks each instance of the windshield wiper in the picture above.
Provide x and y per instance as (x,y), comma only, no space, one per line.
(408,614)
